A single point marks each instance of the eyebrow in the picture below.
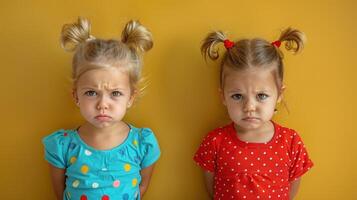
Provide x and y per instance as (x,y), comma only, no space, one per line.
(256,91)
(95,88)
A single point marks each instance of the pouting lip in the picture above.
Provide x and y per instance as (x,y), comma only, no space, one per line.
(250,118)
(102,116)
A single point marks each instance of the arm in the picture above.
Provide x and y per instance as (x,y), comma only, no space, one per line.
(294,187)
(209,183)
(145,179)
(58,181)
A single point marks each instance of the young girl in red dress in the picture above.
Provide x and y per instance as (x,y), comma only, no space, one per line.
(252,157)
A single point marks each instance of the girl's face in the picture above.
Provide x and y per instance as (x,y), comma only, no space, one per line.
(250,97)
(103,96)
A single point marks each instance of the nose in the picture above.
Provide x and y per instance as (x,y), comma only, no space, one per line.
(102,103)
(249,106)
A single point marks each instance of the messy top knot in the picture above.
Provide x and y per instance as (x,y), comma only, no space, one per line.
(137,36)
(92,53)
(248,53)
(75,34)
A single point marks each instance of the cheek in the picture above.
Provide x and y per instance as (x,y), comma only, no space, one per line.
(233,107)
(269,107)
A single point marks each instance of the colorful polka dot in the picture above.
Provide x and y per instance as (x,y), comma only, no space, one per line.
(73,159)
(125,196)
(135,142)
(84,169)
(134,182)
(127,167)
(116,183)
(105,197)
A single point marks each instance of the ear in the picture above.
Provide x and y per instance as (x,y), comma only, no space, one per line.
(221,94)
(75,96)
(281,92)
(132,98)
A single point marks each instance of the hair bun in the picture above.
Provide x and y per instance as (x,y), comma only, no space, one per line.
(137,37)
(76,33)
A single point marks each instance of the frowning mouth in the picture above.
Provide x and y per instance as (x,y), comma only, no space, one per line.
(251,119)
(103,117)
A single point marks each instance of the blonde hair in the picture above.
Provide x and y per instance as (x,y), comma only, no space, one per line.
(248,53)
(92,53)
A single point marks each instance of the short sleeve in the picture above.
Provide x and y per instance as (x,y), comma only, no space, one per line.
(149,147)
(300,161)
(205,156)
(55,150)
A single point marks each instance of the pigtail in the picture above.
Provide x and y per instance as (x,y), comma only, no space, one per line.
(137,37)
(76,33)
(293,38)
(208,48)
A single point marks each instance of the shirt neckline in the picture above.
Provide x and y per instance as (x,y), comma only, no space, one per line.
(242,143)
(126,140)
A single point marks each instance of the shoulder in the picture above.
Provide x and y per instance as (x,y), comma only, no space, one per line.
(142,135)
(215,136)
(57,146)
(59,135)
(288,135)
(141,132)
(285,131)
(59,138)
(220,132)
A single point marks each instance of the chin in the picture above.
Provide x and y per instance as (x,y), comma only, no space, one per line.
(249,125)
(101,125)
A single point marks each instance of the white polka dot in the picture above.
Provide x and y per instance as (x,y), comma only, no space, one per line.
(87,152)
(95,185)
(75,183)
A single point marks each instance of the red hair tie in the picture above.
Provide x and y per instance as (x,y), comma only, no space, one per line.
(228,44)
(276,43)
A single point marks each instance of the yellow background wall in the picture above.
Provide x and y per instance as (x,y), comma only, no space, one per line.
(181,103)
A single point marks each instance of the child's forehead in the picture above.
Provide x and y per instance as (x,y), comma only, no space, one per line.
(254,77)
(105,77)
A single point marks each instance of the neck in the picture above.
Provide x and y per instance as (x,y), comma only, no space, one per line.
(266,127)
(91,130)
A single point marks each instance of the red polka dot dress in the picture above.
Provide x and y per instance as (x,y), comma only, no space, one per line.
(245,170)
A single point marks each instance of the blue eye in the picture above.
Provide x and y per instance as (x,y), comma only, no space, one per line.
(91,93)
(237,96)
(262,96)
(116,93)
